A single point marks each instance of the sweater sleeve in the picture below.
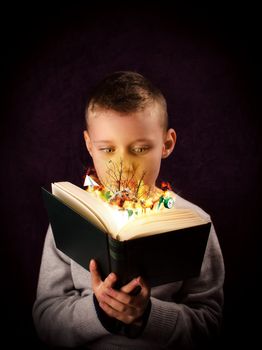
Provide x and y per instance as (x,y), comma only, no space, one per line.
(195,316)
(63,315)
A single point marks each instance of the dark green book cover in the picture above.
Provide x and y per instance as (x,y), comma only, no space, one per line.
(159,259)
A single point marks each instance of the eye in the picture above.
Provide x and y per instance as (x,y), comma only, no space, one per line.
(139,150)
(107,149)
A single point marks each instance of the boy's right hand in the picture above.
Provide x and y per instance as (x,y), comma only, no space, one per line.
(121,305)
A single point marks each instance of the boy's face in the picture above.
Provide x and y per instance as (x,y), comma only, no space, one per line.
(137,138)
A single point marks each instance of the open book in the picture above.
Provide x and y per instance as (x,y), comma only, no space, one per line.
(116,222)
(162,246)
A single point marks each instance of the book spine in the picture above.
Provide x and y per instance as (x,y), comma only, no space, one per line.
(118,260)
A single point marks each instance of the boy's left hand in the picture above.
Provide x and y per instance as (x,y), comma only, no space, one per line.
(120,304)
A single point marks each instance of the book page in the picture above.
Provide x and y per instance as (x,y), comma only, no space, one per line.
(97,211)
(80,208)
(159,222)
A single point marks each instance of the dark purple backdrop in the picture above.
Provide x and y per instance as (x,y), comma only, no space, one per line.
(207,63)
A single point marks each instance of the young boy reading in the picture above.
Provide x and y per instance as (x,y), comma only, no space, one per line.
(126,118)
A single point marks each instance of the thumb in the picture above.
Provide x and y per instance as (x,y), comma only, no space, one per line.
(95,275)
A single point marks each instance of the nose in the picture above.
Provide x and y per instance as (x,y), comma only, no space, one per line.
(125,164)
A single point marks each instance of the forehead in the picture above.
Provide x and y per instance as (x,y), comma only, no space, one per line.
(110,123)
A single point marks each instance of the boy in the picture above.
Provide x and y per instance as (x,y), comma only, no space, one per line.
(126,118)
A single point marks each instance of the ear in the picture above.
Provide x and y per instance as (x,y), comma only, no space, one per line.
(88,142)
(169,143)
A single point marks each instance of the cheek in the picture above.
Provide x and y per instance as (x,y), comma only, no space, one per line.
(152,169)
(100,166)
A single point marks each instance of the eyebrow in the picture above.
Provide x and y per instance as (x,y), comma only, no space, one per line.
(144,140)
(110,141)
(102,141)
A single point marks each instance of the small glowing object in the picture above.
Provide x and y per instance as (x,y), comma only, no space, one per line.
(130,212)
(168,202)
(161,199)
(90,182)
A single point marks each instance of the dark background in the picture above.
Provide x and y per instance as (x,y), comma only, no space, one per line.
(207,62)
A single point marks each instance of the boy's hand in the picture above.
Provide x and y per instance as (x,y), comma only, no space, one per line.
(120,304)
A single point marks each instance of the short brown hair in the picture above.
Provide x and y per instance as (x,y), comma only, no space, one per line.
(126,91)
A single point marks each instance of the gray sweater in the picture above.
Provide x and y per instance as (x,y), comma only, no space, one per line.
(182,313)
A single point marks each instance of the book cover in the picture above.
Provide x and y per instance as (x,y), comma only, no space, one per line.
(159,259)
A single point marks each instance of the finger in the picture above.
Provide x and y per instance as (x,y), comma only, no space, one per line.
(108,310)
(95,275)
(119,296)
(145,288)
(129,287)
(136,291)
(110,280)
(113,313)
(116,304)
